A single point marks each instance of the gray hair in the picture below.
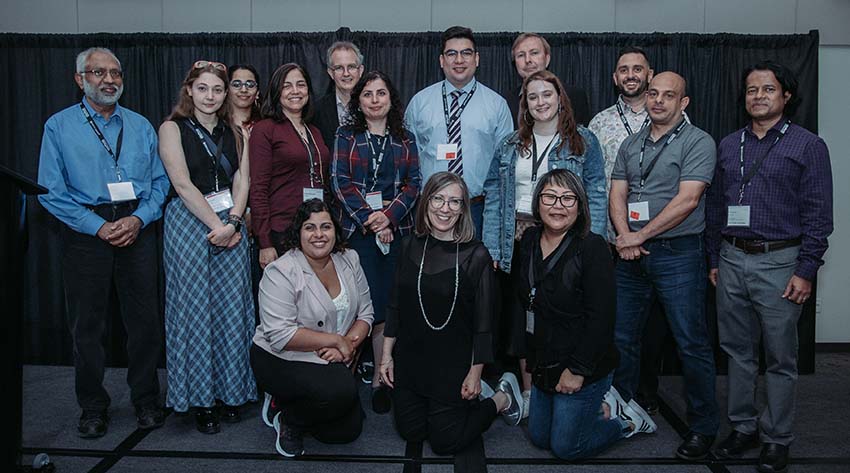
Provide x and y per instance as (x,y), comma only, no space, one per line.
(84,56)
(344,45)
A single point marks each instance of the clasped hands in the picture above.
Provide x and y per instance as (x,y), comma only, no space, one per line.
(122,232)
(342,351)
(630,245)
(378,223)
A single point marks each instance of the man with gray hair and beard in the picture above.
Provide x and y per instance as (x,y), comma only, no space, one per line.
(107,185)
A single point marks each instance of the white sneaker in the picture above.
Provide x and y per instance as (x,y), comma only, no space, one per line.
(526,402)
(509,385)
(632,412)
(269,411)
(614,401)
(486,391)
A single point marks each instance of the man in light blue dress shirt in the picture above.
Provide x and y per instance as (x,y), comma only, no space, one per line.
(483,116)
(107,185)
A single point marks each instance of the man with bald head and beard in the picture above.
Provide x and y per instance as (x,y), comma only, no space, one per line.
(106,185)
(657,206)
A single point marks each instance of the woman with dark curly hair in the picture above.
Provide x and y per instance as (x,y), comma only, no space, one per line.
(375,175)
(315,311)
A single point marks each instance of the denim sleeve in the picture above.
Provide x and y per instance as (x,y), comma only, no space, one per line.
(595,184)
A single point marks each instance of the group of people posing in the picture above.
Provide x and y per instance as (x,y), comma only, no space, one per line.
(463,229)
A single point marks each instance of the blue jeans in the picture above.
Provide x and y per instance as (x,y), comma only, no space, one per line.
(675,272)
(571,425)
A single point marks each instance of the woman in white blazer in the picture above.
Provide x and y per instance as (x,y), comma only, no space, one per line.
(315,311)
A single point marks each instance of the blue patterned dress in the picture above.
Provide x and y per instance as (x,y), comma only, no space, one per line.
(209,311)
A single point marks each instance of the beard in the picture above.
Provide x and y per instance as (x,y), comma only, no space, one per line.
(639,91)
(99,97)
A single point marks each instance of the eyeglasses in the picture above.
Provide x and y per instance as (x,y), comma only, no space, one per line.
(437,202)
(100,73)
(238,84)
(202,64)
(466,54)
(351,68)
(566,200)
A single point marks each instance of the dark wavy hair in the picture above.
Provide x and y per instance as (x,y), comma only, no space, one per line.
(567,128)
(271,104)
(786,78)
(292,235)
(568,180)
(255,107)
(395,117)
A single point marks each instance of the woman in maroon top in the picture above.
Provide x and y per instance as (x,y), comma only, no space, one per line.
(289,160)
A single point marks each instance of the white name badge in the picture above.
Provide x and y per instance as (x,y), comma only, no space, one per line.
(639,211)
(121,191)
(313,193)
(738,216)
(221,200)
(447,152)
(529,322)
(374,200)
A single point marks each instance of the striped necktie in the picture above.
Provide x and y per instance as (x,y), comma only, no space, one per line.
(455,166)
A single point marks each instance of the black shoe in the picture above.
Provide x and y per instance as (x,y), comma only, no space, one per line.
(695,446)
(648,403)
(366,371)
(93,424)
(290,440)
(229,414)
(150,416)
(381,402)
(773,458)
(206,421)
(736,444)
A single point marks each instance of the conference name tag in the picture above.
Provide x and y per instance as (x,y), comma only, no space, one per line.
(221,200)
(121,191)
(374,200)
(313,193)
(738,216)
(639,211)
(529,322)
(447,152)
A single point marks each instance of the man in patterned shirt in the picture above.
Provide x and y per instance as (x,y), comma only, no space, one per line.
(768,216)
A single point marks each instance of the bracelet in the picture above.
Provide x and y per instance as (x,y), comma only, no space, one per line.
(234,220)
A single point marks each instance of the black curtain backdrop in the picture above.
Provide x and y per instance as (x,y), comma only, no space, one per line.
(38,81)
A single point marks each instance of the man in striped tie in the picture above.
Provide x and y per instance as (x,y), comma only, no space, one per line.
(458,121)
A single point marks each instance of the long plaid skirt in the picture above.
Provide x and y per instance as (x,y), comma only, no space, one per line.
(209,315)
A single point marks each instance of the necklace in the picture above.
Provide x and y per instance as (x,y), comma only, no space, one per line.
(419,286)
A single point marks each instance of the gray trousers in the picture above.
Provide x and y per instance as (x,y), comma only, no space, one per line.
(750,308)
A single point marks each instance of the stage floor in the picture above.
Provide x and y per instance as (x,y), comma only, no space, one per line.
(50,417)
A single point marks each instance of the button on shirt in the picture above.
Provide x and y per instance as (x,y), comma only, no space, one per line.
(484,122)
(690,157)
(76,168)
(341,110)
(790,196)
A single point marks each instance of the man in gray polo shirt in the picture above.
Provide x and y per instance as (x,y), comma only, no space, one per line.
(658,210)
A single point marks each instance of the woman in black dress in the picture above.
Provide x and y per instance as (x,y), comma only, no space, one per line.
(438,332)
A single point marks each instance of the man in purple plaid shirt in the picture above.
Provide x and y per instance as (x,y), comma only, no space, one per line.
(769,214)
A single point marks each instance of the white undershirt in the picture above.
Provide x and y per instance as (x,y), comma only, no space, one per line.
(524,186)
(341,303)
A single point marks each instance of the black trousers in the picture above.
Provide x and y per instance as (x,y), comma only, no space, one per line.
(320,399)
(450,429)
(90,267)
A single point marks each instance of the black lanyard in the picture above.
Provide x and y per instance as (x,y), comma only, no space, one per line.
(536,162)
(626,122)
(310,145)
(451,119)
(532,281)
(115,155)
(377,158)
(758,162)
(214,154)
(645,174)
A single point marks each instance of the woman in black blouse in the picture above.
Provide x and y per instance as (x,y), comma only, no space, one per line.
(438,332)
(567,293)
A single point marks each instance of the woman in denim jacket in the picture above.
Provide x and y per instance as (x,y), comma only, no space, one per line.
(548,138)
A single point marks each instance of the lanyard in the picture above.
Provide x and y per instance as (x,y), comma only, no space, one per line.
(215,155)
(310,145)
(103,141)
(454,118)
(536,162)
(377,158)
(645,174)
(746,179)
(626,122)
(532,281)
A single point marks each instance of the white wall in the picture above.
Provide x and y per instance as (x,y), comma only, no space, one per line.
(831,17)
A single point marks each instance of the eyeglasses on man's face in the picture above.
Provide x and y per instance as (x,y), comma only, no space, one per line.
(566,200)
(466,54)
(101,73)
(351,68)
(437,202)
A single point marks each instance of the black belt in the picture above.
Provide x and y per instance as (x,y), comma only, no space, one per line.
(761,246)
(114,210)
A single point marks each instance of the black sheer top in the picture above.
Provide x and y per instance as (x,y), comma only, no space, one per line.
(434,363)
(198,161)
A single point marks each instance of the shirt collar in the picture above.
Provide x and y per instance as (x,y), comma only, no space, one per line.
(96,116)
(777,127)
(648,131)
(465,89)
(627,108)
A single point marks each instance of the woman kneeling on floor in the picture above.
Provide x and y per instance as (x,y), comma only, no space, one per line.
(315,310)
(565,283)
